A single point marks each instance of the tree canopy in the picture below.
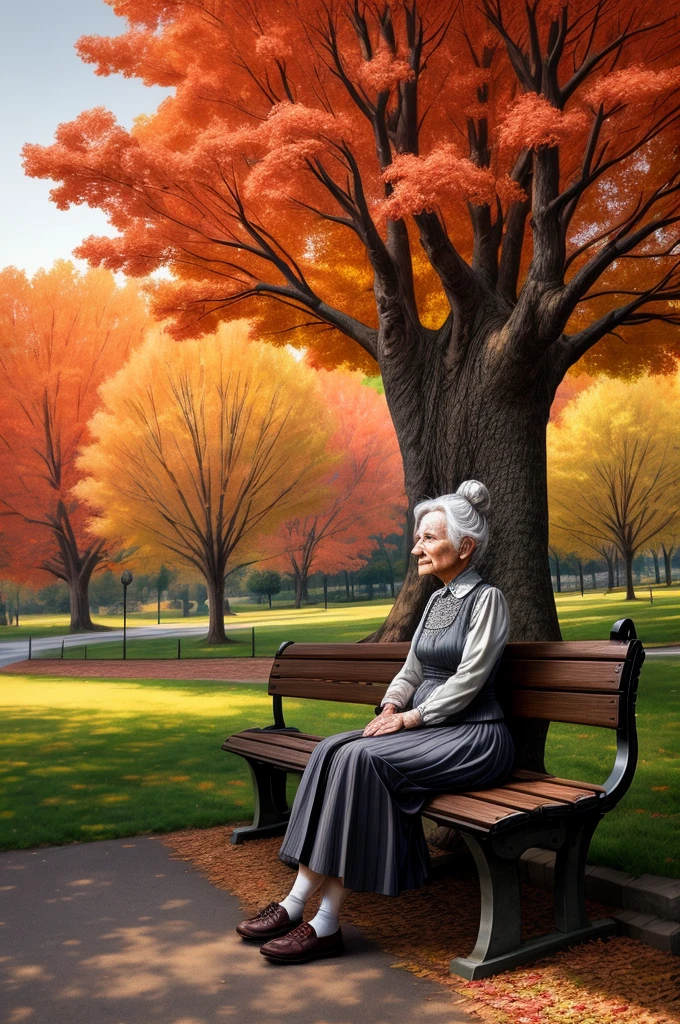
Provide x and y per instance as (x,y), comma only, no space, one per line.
(614,469)
(200,449)
(307,144)
(363,492)
(63,334)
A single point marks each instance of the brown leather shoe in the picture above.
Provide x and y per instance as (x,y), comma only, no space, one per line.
(268,923)
(301,945)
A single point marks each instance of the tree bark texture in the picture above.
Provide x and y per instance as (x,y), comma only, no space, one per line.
(667,555)
(78,588)
(215,586)
(479,416)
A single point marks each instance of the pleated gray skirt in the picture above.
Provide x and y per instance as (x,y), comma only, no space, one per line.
(356,812)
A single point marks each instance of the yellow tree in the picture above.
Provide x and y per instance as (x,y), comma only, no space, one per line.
(613,467)
(202,448)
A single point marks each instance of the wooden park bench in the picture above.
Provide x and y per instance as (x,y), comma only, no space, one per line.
(591,683)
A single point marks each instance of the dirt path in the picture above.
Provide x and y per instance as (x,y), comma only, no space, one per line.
(232,670)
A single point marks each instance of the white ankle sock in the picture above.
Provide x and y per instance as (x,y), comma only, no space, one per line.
(333,895)
(305,885)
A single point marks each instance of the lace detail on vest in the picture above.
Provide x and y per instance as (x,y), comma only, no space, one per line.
(443,612)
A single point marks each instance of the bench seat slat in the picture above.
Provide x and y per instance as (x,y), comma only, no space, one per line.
(283,758)
(532,803)
(457,806)
(343,670)
(562,675)
(319,689)
(288,741)
(566,794)
(524,773)
(558,706)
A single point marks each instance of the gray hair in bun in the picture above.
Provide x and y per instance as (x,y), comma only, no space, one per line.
(465,513)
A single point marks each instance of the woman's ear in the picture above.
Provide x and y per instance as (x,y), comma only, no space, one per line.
(467,547)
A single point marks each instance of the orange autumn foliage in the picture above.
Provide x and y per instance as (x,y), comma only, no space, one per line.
(364,493)
(263,162)
(63,334)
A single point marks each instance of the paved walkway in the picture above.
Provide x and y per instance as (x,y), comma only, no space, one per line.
(17,650)
(120,933)
(233,670)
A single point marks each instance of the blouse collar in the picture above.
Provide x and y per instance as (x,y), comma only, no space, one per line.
(463,584)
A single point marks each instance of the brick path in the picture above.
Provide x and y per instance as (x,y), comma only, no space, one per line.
(233,670)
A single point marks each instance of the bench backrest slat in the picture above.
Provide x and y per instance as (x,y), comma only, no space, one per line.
(320,689)
(562,675)
(349,652)
(340,670)
(589,650)
(580,708)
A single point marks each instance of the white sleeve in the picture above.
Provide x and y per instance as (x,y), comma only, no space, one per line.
(405,683)
(486,638)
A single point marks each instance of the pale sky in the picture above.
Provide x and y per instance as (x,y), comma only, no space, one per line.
(43,82)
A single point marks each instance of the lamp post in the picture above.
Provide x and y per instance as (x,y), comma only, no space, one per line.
(126,580)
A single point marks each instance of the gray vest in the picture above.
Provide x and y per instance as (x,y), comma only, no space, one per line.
(438,644)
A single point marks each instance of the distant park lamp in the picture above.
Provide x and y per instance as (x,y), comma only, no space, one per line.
(126,580)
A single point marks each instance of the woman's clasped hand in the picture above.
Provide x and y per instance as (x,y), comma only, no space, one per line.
(391,720)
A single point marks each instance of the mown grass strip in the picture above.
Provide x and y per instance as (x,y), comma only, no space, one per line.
(97,759)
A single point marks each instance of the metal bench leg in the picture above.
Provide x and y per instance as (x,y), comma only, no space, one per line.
(271,806)
(500,926)
(499,946)
(570,867)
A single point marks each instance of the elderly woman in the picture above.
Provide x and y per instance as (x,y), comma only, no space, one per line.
(355,823)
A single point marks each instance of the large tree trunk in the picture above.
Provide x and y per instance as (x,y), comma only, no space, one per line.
(80,605)
(484,420)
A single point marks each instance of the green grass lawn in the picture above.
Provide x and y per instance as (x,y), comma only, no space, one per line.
(582,618)
(341,623)
(97,759)
(591,617)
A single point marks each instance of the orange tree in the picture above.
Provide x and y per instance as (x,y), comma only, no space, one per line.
(199,449)
(309,146)
(364,493)
(63,333)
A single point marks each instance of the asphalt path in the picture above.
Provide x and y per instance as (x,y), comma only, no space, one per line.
(17,650)
(120,932)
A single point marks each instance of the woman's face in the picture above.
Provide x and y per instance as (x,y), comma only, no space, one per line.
(436,554)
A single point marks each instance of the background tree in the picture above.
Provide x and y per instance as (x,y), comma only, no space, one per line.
(264,583)
(63,334)
(614,470)
(669,540)
(363,491)
(529,148)
(201,448)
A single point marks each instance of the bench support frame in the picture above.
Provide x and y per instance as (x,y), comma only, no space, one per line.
(271,805)
(499,946)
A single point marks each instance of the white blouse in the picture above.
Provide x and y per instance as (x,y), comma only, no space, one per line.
(486,638)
